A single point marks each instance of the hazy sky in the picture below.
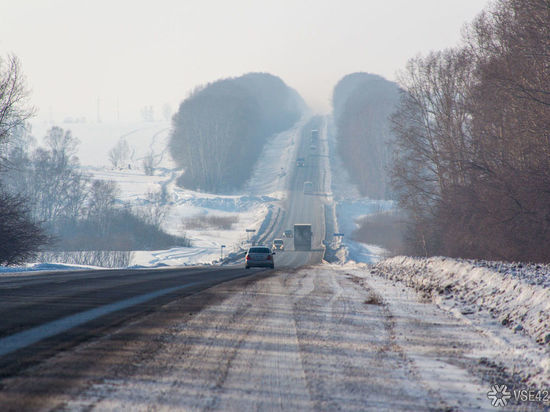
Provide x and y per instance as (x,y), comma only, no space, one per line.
(138,53)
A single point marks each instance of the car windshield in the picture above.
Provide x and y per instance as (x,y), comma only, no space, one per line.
(259,250)
(278,241)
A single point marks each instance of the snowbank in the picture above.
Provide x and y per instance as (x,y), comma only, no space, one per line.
(518,302)
(45,267)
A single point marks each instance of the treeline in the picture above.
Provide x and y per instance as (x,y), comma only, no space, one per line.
(362,105)
(472,132)
(70,210)
(221,128)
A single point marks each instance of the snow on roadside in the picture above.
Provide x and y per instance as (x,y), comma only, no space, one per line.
(45,267)
(487,298)
(348,211)
(350,206)
(247,209)
(266,187)
(486,295)
(271,173)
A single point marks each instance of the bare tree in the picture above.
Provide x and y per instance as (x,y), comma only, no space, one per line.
(14,108)
(56,188)
(472,164)
(20,236)
(121,155)
(101,204)
(102,197)
(156,207)
(148,114)
(433,144)
(150,162)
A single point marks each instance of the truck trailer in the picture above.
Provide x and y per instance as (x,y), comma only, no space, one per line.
(302,236)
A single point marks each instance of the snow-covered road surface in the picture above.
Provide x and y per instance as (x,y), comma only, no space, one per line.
(509,304)
(321,338)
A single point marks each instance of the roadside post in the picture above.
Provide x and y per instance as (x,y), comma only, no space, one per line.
(248,232)
(339,237)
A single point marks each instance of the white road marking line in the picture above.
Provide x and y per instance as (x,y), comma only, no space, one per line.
(30,336)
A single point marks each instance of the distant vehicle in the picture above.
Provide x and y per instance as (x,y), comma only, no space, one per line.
(308,187)
(312,147)
(259,256)
(278,244)
(300,162)
(302,236)
(287,233)
(314,135)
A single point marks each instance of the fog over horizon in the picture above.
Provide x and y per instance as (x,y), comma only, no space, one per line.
(121,56)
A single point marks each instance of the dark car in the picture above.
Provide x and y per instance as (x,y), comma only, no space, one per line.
(259,256)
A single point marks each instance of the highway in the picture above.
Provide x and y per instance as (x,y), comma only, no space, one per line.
(306,336)
(307,207)
(42,314)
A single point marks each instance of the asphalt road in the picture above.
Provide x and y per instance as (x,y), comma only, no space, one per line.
(303,337)
(307,207)
(43,314)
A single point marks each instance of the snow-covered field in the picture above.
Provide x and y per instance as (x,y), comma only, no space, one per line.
(265,189)
(247,209)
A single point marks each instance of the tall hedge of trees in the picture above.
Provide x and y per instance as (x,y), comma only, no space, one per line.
(362,106)
(220,129)
(472,165)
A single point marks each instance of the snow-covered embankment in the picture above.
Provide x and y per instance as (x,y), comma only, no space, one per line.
(517,295)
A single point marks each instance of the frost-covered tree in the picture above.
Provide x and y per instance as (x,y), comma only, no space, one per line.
(121,155)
